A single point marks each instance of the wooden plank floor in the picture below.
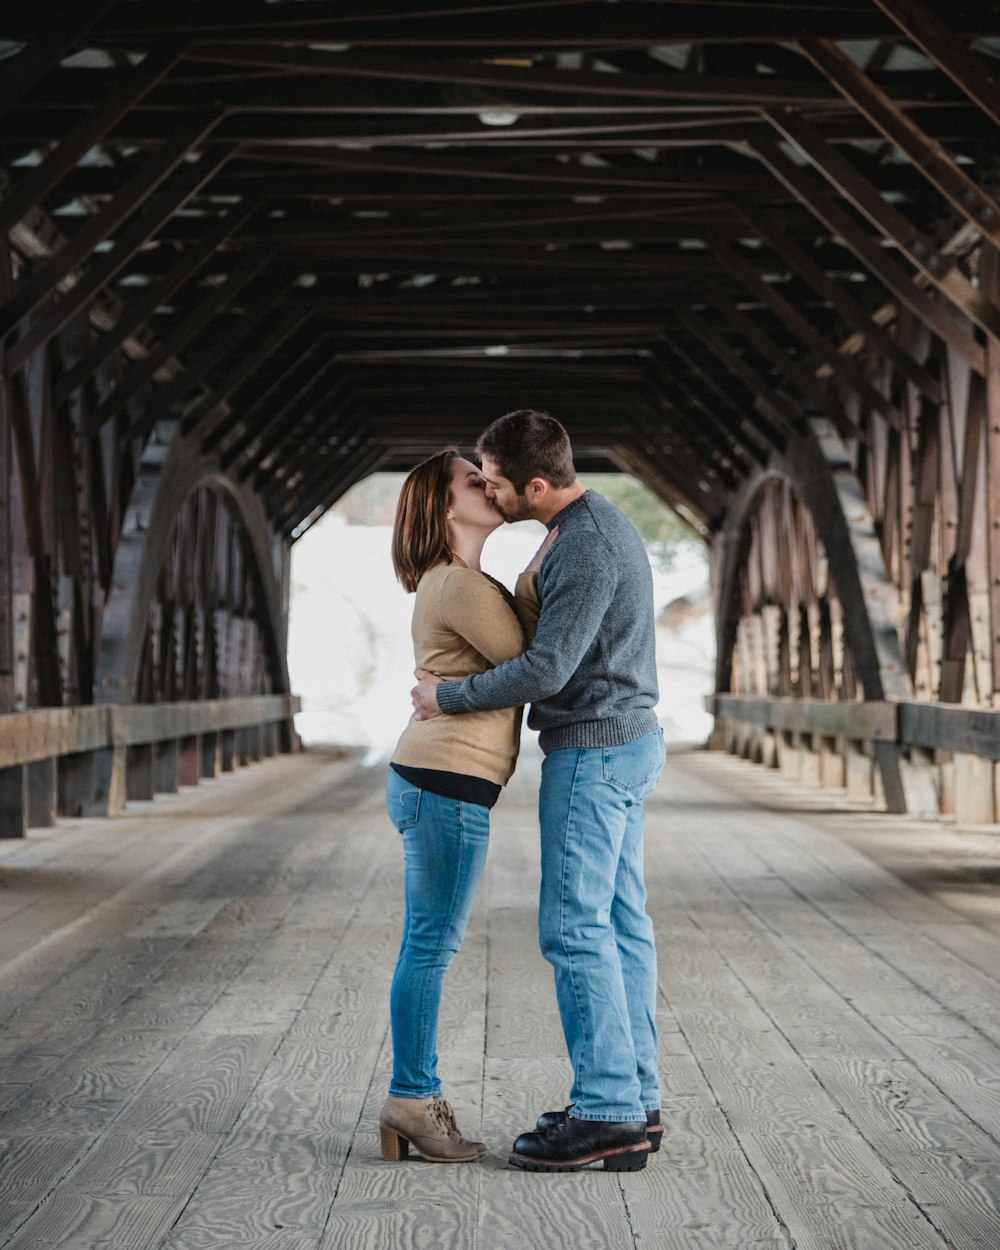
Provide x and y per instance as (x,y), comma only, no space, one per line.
(193,1027)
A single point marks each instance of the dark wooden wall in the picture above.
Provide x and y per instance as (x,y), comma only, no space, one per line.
(748,252)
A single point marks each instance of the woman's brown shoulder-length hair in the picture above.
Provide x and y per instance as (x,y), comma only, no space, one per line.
(420,534)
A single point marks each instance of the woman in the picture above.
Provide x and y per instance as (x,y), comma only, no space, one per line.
(445,775)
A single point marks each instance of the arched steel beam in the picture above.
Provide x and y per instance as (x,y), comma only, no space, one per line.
(171,468)
(818,468)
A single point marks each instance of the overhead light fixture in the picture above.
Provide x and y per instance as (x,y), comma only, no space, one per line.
(499,117)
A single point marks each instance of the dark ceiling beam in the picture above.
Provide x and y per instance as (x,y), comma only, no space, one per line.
(968,199)
(920,250)
(137,313)
(854,313)
(651,430)
(245,413)
(290,486)
(34,185)
(437,258)
(248,366)
(282,424)
(537,27)
(697,182)
(168,400)
(845,369)
(498,86)
(755,430)
(140,372)
(940,42)
(581,85)
(131,197)
(562,226)
(939,316)
(729,360)
(576,391)
(47,42)
(685,389)
(553,177)
(794,372)
(655,473)
(302,137)
(367,459)
(103,268)
(305,137)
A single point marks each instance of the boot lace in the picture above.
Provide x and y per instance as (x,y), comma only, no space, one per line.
(443,1118)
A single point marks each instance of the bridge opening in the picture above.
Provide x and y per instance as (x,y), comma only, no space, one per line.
(350,656)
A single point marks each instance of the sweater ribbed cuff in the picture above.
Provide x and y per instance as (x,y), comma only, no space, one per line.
(451,699)
(613,732)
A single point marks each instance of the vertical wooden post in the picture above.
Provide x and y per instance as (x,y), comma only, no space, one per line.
(210,755)
(189,762)
(140,782)
(831,763)
(974,803)
(166,767)
(227,741)
(14,801)
(789,755)
(108,774)
(858,770)
(76,783)
(809,765)
(43,787)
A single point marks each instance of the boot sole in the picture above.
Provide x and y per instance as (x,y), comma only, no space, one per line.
(395,1147)
(621,1159)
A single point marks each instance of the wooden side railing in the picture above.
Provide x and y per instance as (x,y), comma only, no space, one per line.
(88,761)
(835,743)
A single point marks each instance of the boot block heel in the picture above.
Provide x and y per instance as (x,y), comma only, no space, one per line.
(394,1147)
(631,1161)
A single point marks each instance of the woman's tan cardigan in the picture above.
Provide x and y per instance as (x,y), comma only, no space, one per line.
(464,623)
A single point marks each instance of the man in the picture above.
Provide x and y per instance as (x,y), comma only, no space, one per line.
(590,676)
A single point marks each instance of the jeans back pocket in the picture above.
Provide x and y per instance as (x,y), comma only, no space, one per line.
(403,802)
(636,766)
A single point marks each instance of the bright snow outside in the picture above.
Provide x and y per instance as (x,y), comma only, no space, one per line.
(351,657)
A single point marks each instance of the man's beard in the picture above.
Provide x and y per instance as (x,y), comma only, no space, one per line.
(521,510)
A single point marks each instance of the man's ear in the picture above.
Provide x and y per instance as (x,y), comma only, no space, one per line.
(536,489)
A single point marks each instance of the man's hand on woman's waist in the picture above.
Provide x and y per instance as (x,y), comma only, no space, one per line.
(424,695)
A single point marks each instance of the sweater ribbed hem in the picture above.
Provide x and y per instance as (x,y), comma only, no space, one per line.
(614,731)
(449,698)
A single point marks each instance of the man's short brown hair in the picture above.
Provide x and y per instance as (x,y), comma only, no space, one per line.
(526,444)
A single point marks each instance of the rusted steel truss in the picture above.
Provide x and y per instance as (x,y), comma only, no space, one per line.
(252,252)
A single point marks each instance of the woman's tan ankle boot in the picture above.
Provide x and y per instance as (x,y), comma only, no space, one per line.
(428,1125)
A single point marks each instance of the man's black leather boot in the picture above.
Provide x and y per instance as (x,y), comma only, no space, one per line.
(654,1129)
(570,1144)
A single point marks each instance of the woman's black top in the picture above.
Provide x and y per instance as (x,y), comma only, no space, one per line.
(451,785)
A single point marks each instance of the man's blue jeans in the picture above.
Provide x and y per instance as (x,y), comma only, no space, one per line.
(444,847)
(593,926)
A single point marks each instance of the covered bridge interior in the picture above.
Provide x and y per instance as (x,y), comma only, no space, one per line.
(253,252)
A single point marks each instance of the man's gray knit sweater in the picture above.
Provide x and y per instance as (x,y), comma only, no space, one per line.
(590,674)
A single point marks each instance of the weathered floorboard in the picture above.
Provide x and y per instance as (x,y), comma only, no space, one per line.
(195,1047)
